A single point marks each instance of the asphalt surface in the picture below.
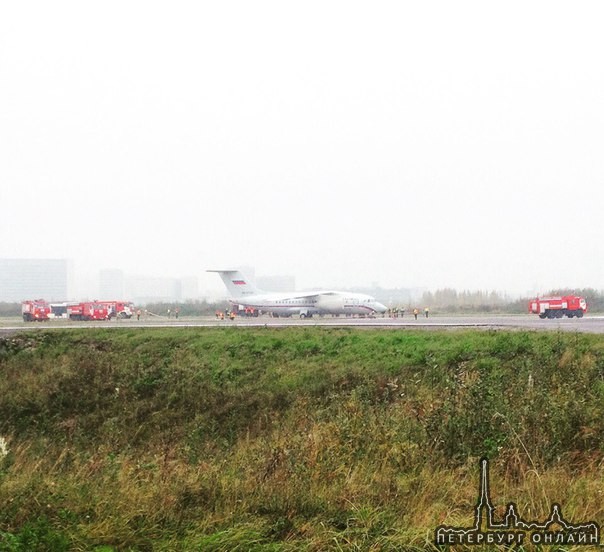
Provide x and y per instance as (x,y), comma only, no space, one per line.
(590,324)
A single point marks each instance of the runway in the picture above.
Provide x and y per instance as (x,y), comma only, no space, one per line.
(589,324)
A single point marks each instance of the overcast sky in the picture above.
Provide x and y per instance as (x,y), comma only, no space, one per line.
(424,144)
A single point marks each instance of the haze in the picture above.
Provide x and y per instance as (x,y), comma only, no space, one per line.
(408,144)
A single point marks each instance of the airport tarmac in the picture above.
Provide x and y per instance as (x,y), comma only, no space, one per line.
(589,324)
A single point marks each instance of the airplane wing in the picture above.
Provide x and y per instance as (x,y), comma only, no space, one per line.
(326,301)
(310,294)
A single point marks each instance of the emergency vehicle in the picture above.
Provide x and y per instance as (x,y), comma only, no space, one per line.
(242,310)
(35,311)
(557,307)
(58,310)
(121,309)
(88,311)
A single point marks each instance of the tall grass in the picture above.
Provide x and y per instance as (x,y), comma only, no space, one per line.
(303,438)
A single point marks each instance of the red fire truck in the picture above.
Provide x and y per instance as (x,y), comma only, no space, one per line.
(88,311)
(557,307)
(35,311)
(120,309)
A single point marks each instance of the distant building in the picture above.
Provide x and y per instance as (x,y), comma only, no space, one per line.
(276,283)
(22,279)
(189,288)
(142,290)
(112,284)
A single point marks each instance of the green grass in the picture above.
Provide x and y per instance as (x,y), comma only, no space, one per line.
(289,439)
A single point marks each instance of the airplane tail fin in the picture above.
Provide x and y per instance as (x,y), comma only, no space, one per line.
(236,283)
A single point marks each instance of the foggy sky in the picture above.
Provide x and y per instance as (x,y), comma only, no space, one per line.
(407,144)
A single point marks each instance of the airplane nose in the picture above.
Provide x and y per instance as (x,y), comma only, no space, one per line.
(380,308)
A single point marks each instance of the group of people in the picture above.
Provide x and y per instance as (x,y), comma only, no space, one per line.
(176,313)
(395,312)
(220,315)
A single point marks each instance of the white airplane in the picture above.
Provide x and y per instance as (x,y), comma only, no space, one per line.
(302,303)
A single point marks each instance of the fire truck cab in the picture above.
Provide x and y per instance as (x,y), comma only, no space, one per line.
(35,311)
(119,309)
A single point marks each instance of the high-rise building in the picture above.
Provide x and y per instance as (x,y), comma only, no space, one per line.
(143,289)
(22,279)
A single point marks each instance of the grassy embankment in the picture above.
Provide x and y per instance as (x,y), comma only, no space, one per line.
(303,438)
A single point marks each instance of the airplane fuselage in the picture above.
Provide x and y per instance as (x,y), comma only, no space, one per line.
(284,304)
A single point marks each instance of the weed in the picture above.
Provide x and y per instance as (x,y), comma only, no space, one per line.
(308,438)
